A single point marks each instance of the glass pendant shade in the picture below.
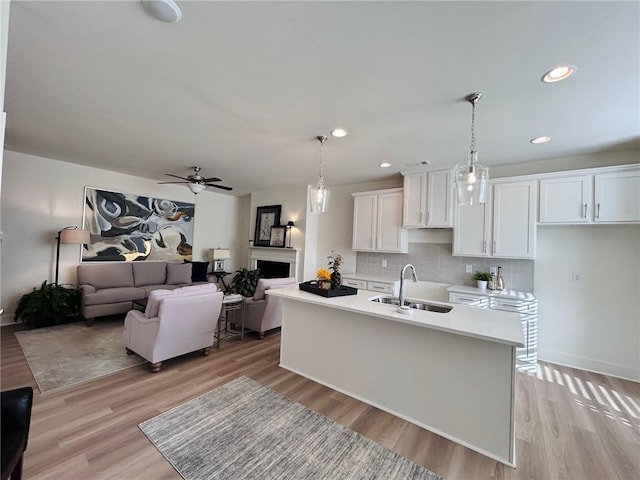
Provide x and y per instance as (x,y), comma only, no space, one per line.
(319,195)
(472,180)
(319,199)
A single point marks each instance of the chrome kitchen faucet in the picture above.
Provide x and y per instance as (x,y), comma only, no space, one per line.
(415,279)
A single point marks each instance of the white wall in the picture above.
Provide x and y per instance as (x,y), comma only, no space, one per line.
(593,324)
(40,196)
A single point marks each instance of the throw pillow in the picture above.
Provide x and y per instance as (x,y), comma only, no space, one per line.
(178,273)
(198,271)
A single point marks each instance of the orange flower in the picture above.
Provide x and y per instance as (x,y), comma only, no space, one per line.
(323,274)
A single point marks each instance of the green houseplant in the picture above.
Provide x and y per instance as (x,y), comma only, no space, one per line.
(482,278)
(245,282)
(48,305)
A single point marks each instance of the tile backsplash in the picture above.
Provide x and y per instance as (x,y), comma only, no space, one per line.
(435,263)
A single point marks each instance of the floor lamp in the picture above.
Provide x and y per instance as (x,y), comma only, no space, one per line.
(72,235)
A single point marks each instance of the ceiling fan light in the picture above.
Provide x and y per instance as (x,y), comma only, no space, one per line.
(196,188)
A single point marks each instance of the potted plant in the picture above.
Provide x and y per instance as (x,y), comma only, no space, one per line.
(482,278)
(245,282)
(51,304)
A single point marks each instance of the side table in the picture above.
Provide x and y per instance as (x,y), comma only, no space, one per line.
(232,303)
(220,278)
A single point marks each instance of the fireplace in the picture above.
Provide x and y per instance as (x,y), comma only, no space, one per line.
(269,269)
(283,261)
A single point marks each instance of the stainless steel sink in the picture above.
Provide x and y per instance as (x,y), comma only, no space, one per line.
(411,303)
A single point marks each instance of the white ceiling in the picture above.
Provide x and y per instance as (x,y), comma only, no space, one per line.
(243,88)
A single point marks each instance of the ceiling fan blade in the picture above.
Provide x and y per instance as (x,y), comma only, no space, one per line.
(221,187)
(176,176)
(212,179)
(161,183)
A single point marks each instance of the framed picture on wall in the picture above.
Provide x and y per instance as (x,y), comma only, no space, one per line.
(278,235)
(266,217)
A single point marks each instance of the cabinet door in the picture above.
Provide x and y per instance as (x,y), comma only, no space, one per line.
(617,197)
(566,199)
(414,200)
(364,222)
(391,237)
(471,230)
(440,199)
(514,219)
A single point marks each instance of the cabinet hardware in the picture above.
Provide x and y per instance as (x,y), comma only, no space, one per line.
(585,211)
(484,246)
(494,247)
(598,210)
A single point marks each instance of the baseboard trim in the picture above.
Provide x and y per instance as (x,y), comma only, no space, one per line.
(590,365)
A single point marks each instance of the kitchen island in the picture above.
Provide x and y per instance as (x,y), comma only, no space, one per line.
(451,373)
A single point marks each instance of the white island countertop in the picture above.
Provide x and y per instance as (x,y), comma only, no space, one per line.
(490,325)
(509,294)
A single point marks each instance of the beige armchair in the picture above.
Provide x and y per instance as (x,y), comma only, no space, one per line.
(174,322)
(264,312)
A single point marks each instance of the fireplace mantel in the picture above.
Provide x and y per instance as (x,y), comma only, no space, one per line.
(275,254)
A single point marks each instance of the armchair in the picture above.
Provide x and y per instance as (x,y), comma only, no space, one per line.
(173,323)
(16,419)
(263,312)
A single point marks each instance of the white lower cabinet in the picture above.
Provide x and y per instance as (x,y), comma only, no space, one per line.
(389,287)
(524,304)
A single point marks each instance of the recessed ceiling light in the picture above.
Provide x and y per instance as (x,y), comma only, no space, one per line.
(339,132)
(384,165)
(559,73)
(539,140)
(165,10)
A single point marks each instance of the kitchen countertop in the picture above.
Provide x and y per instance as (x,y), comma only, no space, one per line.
(510,294)
(491,325)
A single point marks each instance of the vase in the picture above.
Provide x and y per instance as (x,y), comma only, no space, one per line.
(336,280)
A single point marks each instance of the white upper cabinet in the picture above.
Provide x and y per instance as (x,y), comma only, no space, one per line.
(504,227)
(428,200)
(472,230)
(617,197)
(415,200)
(514,219)
(566,199)
(612,196)
(377,222)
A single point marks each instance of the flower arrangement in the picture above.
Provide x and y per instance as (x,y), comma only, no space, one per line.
(335,261)
(323,274)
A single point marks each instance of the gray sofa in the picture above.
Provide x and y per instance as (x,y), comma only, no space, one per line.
(111,288)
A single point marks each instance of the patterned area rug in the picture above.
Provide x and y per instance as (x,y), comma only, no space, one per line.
(245,430)
(73,353)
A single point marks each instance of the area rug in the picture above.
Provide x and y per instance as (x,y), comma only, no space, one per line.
(73,353)
(244,430)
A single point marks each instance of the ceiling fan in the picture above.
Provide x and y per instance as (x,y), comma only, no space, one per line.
(197,182)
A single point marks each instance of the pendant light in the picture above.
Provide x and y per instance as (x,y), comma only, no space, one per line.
(319,195)
(472,179)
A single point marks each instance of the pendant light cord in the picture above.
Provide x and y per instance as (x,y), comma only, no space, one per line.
(321,139)
(473,124)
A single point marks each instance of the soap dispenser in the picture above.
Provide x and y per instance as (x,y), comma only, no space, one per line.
(499,284)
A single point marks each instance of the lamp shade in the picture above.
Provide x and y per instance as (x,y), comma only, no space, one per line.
(471,183)
(74,235)
(219,253)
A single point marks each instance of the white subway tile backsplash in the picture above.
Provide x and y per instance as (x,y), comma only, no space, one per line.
(434,262)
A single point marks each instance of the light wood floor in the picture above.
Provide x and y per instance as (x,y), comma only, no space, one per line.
(570,424)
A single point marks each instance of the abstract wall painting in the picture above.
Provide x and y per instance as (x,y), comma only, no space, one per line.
(126,227)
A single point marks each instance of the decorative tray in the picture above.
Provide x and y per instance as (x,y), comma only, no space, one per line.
(312,287)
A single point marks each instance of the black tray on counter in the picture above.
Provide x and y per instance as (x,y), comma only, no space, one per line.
(312,287)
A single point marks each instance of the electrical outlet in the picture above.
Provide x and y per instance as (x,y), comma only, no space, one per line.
(493,270)
(384,263)
(468,268)
(575,277)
